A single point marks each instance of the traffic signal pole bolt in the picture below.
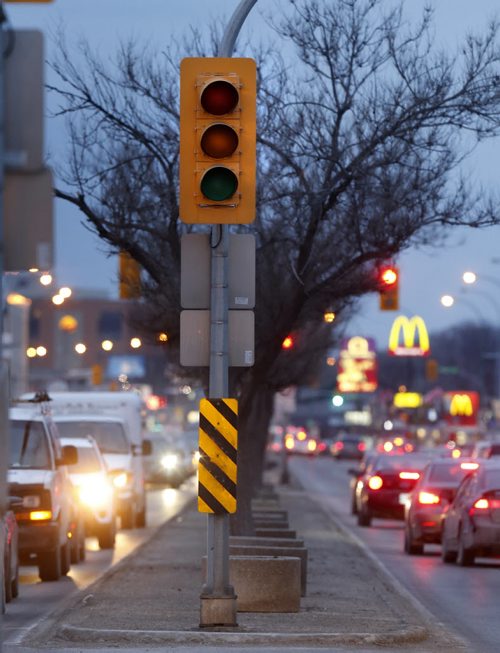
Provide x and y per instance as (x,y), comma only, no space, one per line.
(218,600)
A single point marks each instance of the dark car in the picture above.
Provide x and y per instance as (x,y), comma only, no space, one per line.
(471,525)
(486,449)
(349,446)
(357,474)
(385,487)
(9,535)
(432,494)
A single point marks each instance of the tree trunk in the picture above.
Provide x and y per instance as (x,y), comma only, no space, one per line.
(255,411)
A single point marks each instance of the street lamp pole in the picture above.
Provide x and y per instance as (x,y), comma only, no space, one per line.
(218,601)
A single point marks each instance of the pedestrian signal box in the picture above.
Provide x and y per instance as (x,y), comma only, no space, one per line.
(217,140)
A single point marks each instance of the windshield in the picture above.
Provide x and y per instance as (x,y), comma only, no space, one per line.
(446,474)
(110,436)
(28,445)
(88,462)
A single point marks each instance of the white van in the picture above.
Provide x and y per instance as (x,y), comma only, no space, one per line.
(114,420)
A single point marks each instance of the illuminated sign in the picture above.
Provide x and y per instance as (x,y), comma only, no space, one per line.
(357,365)
(409,328)
(407,400)
(461,407)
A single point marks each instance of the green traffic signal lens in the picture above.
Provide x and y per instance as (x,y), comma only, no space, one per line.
(219,141)
(219,97)
(219,184)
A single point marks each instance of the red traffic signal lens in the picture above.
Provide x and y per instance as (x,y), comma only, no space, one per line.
(219,97)
(219,141)
(389,276)
(219,184)
(287,343)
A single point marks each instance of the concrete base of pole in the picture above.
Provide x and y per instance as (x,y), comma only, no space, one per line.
(218,611)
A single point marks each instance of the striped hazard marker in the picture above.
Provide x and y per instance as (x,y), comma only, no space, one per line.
(218,445)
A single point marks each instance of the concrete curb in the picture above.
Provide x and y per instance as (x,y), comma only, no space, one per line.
(147,637)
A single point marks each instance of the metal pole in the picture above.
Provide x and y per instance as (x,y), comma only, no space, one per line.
(3,374)
(218,600)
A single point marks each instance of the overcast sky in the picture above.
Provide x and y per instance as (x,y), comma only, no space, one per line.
(425,276)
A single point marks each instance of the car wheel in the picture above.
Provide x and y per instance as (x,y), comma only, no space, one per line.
(106,536)
(65,558)
(411,547)
(127,516)
(15,583)
(49,565)
(465,557)
(447,555)
(354,505)
(7,576)
(364,517)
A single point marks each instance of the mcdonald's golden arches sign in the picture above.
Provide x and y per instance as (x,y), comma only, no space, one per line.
(461,407)
(409,337)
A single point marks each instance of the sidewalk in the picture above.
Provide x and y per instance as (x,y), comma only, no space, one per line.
(151,598)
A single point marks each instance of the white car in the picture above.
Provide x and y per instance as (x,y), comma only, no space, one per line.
(94,489)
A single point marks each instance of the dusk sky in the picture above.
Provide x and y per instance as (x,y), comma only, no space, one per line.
(425,275)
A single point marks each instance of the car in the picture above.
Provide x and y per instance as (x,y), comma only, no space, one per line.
(357,474)
(434,491)
(386,485)
(170,461)
(471,525)
(299,441)
(349,446)
(486,449)
(9,535)
(94,489)
(38,475)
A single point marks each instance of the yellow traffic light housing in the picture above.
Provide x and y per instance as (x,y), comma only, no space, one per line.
(389,288)
(130,277)
(217,140)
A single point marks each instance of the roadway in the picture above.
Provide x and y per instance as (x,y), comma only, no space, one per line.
(465,599)
(36,599)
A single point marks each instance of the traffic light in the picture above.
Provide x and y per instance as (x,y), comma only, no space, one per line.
(431,369)
(217,140)
(288,343)
(130,277)
(389,288)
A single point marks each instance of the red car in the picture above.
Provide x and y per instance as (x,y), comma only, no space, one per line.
(386,485)
(433,493)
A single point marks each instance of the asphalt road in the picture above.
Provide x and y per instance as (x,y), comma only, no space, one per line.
(36,599)
(465,599)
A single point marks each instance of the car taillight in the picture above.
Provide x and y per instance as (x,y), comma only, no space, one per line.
(409,476)
(361,446)
(338,446)
(375,482)
(469,466)
(428,498)
(481,504)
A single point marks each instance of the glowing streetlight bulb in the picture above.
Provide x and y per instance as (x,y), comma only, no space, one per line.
(135,343)
(107,345)
(163,337)
(41,351)
(31,352)
(447,301)
(46,279)
(80,348)
(469,277)
(329,316)
(65,292)
(57,300)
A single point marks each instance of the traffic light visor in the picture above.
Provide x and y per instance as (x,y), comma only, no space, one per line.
(219,184)
(219,141)
(219,97)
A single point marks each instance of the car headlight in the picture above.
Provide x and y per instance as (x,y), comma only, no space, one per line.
(95,492)
(170,461)
(121,480)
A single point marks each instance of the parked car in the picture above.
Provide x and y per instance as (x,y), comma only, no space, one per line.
(9,535)
(386,485)
(94,490)
(38,475)
(299,441)
(471,525)
(431,496)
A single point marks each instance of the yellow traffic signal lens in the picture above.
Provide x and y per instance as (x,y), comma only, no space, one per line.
(219,184)
(219,97)
(219,141)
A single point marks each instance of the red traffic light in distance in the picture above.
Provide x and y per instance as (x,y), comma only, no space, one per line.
(389,288)
(287,343)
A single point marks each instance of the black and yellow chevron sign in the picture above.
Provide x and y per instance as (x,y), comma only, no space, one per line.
(218,444)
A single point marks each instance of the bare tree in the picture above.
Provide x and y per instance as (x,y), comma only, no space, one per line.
(362,133)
